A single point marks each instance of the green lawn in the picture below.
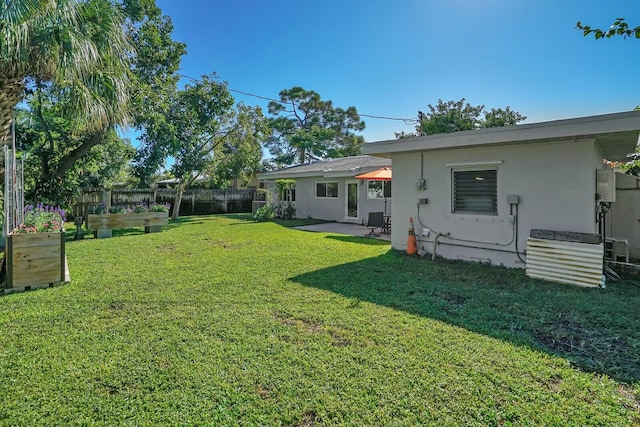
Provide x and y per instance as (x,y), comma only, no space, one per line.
(222,321)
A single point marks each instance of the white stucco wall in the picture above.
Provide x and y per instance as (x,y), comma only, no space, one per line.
(554,180)
(623,220)
(333,209)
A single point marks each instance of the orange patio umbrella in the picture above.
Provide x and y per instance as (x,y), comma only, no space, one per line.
(382,174)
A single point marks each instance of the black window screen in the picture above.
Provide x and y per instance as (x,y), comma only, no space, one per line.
(475,191)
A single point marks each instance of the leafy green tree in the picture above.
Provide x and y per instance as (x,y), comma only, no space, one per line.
(155,64)
(498,117)
(44,136)
(454,116)
(154,59)
(79,48)
(240,154)
(202,132)
(307,128)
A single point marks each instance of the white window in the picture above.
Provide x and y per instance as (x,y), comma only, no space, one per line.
(378,189)
(288,194)
(328,189)
(475,191)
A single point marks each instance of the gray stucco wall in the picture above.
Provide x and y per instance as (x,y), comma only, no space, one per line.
(333,209)
(554,180)
(623,220)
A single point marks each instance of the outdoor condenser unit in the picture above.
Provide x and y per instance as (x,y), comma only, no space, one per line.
(616,249)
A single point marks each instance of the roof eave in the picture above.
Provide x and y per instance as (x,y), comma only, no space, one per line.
(582,127)
(319,174)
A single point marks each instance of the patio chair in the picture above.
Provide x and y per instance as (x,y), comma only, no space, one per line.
(375,220)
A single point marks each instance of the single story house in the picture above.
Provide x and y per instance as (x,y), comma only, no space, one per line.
(328,189)
(476,195)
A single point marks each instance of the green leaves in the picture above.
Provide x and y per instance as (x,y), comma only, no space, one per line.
(307,128)
(204,133)
(619,28)
(455,116)
(79,47)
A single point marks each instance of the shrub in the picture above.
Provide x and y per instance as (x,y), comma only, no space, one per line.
(289,212)
(41,219)
(141,208)
(159,207)
(265,213)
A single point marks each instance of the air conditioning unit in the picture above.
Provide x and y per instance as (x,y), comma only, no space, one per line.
(616,249)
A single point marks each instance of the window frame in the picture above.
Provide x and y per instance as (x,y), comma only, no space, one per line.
(326,187)
(385,184)
(493,196)
(288,191)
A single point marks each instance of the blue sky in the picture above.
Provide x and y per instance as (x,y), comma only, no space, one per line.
(393,58)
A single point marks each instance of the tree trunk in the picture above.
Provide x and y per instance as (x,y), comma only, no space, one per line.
(178,200)
(10,94)
(77,153)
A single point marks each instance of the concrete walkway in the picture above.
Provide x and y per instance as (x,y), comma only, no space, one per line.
(343,228)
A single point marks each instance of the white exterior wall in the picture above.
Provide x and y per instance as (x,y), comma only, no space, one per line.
(333,209)
(623,220)
(555,182)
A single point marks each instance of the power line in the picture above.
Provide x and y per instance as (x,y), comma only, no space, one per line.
(411,121)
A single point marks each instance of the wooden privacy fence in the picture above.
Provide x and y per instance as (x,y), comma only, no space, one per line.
(194,202)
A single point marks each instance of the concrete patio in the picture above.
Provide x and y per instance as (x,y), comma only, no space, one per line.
(344,228)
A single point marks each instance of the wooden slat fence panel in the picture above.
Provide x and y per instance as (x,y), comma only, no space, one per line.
(194,202)
(130,198)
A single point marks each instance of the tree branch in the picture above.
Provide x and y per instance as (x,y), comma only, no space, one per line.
(68,161)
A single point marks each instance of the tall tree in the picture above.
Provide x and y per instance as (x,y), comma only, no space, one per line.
(79,48)
(153,59)
(43,138)
(155,64)
(202,127)
(239,156)
(454,116)
(307,128)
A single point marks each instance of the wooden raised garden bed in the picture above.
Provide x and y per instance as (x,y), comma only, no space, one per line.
(35,259)
(103,224)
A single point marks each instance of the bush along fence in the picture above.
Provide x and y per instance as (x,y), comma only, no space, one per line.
(194,202)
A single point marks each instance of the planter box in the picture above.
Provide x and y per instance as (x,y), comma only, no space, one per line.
(104,223)
(35,259)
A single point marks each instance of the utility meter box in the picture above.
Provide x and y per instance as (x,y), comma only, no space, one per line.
(606,185)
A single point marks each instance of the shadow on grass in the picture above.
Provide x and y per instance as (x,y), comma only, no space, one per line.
(185,220)
(288,223)
(598,330)
(70,229)
(357,239)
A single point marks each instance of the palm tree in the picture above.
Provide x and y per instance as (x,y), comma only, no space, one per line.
(78,48)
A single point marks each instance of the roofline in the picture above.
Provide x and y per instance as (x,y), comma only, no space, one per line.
(328,173)
(581,127)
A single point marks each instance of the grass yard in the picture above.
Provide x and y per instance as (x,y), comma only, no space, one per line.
(222,321)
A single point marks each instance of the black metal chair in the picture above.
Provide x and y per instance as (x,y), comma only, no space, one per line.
(375,220)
